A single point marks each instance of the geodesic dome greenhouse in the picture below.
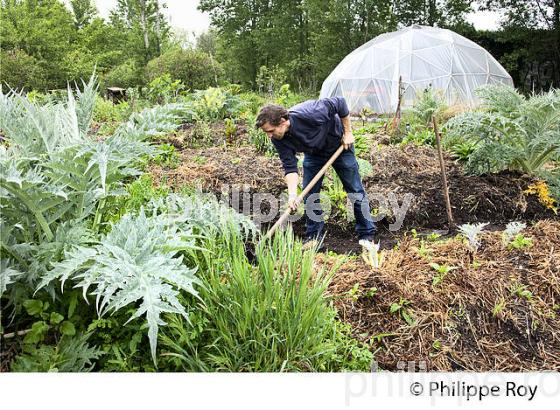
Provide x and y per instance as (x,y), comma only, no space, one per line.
(423,57)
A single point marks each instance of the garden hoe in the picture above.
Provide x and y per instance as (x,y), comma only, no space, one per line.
(306,190)
(371,254)
(250,251)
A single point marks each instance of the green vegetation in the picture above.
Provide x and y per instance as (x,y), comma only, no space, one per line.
(102,269)
(510,132)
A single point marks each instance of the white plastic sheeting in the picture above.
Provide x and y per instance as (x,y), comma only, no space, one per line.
(424,57)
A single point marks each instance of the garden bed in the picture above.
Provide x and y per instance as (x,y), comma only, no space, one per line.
(497,311)
(411,169)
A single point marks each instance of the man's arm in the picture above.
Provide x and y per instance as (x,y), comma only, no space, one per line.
(292,180)
(289,162)
(347,137)
(338,106)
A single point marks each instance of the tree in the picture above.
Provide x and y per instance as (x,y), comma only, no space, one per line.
(307,38)
(206,42)
(196,69)
(338,27)
(43,30)
(441,13)
(84,12)
(535,26)
(145,26)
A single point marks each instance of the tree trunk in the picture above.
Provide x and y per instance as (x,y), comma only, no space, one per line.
(144,26)
(158,29)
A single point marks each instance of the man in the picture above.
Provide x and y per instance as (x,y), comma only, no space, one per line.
(317,128)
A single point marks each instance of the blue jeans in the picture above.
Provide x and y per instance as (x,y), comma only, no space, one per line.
(346,167)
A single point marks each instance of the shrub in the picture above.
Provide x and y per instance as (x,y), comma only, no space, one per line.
(20,70)
(252,103)
(164,90)
(125,75)
(270,80)
(105,111)
(195,69)
(215,104)
(429,103)
(201,135)
(509,132)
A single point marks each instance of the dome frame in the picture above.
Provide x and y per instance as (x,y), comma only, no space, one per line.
(424,57)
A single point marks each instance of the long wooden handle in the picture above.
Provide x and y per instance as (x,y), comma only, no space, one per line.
(308,188)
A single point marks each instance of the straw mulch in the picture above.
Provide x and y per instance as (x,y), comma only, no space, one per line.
(479,318)
(211,169)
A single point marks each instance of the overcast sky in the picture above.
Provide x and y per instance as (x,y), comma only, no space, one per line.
(183,14)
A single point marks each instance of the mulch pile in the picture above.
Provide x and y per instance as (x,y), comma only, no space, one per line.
(396,170)
(415,169)
(213,168)
(479,318)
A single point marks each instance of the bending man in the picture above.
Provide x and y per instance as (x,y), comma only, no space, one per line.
(317,128)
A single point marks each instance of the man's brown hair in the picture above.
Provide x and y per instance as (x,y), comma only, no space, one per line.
(271,113)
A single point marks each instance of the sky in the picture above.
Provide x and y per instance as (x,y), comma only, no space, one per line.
(183,14)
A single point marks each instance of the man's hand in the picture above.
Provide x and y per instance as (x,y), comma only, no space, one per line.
(347,139)
(293,202)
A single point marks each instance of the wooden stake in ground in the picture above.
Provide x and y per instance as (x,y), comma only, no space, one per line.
(443,175)
(397,118)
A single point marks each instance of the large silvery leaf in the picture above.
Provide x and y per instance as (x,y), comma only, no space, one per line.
(133,265)
(8,275)
(151,122)
(85,103)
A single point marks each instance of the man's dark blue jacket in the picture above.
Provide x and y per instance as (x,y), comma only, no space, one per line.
(315,128)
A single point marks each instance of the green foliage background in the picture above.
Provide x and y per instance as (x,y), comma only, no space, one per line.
(45,44)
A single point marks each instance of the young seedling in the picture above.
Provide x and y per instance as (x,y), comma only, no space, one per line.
(433,237)
(512,237)
(471,232)
(365,113)
(521,291)
(230,130)
(371,254)
(511,231)
(400,308)
(423,250)
(371,292)
(442,271)
(354,293)
(520,242)
(378,338)
(499,307)
(200,160)
(436,345)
